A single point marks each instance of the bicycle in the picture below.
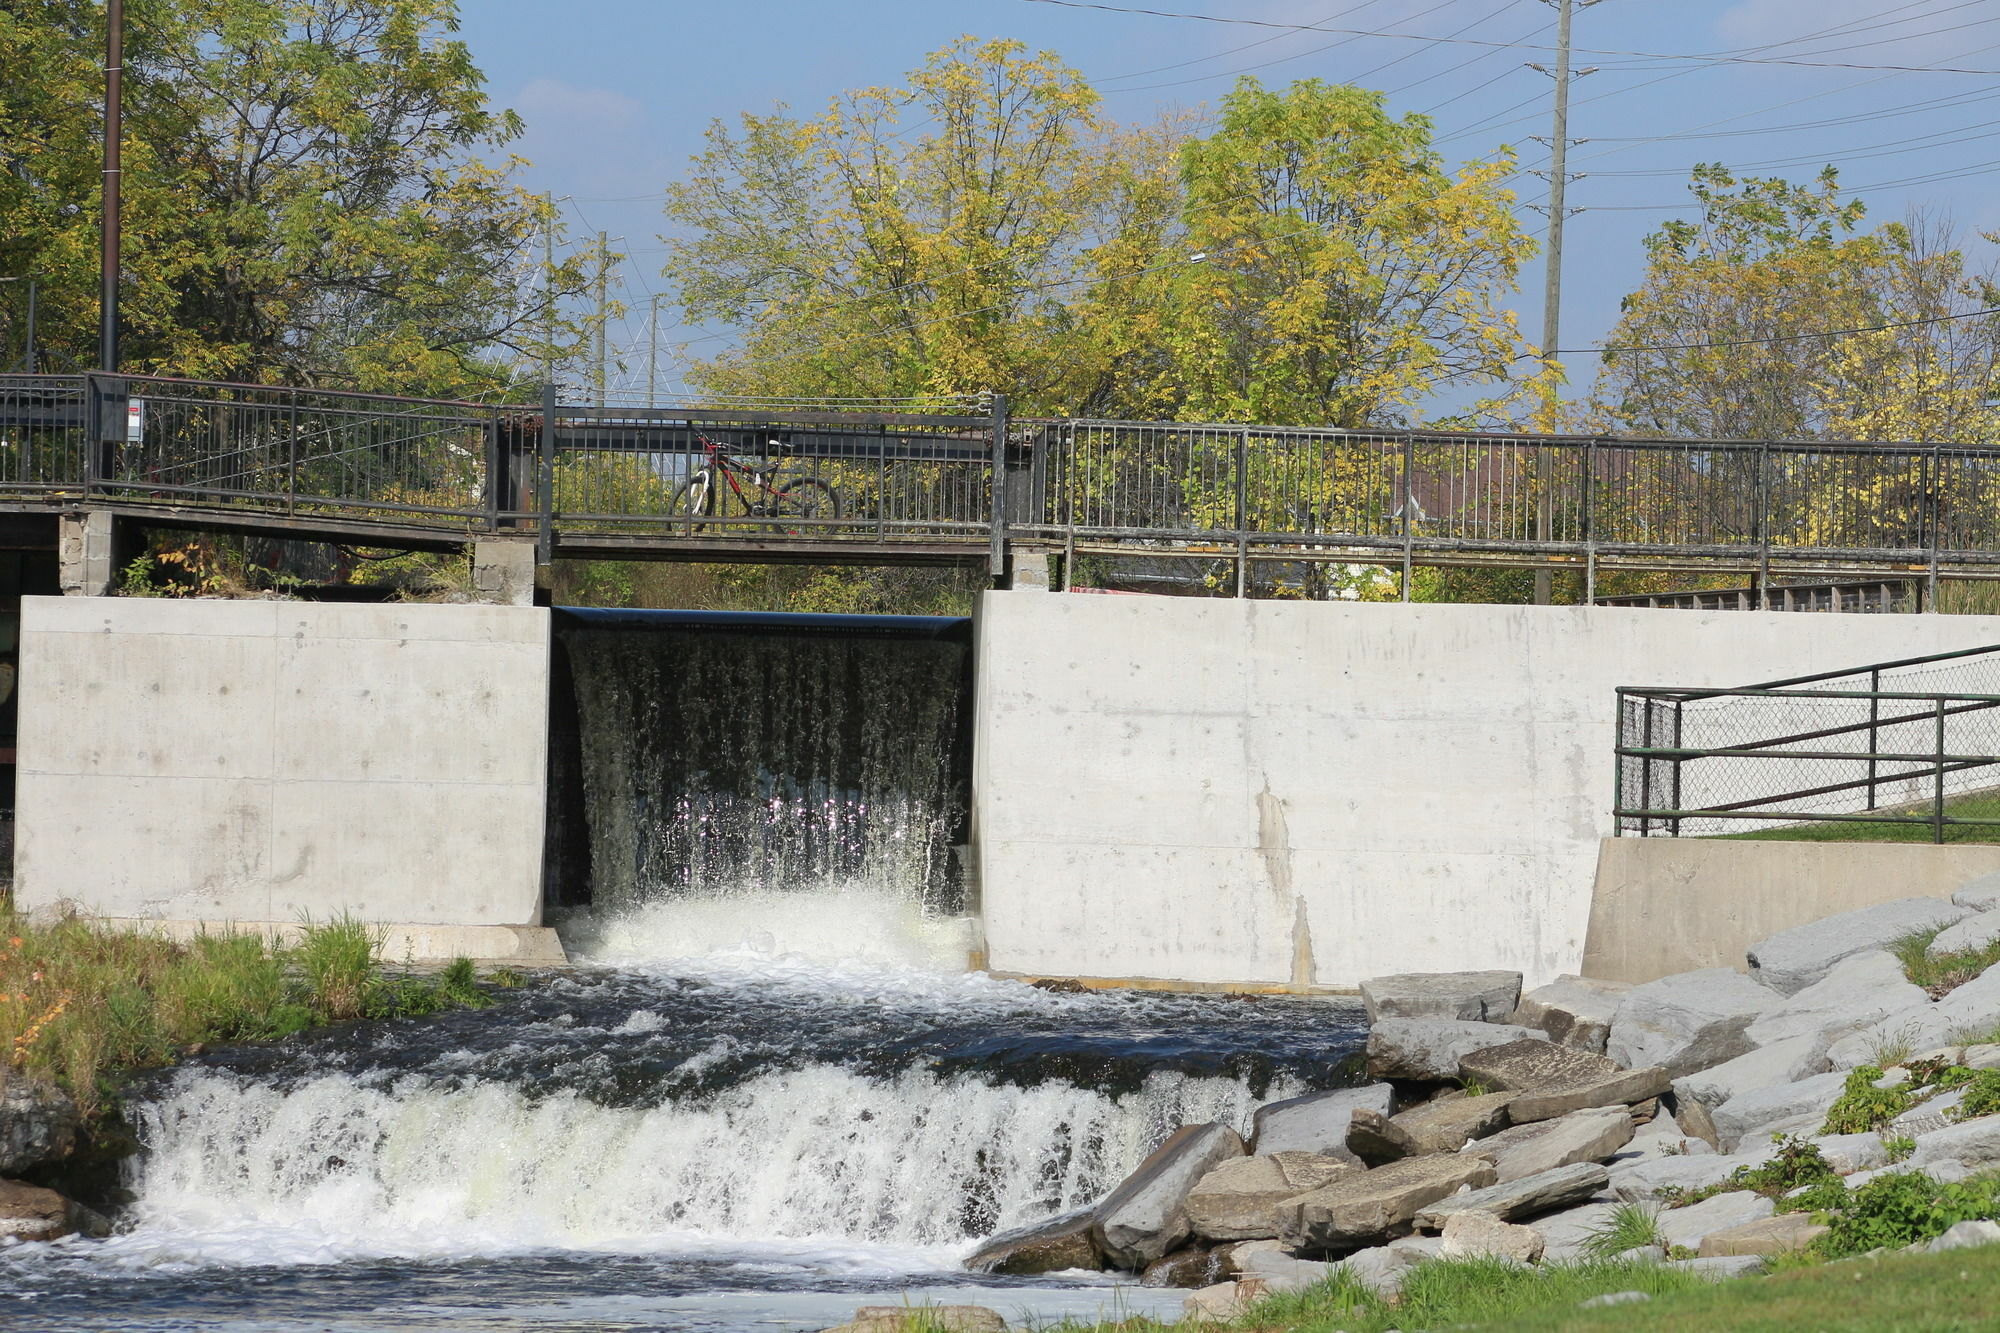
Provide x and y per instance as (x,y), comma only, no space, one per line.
(717,486)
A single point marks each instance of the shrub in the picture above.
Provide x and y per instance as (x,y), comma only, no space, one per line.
(1797,1163)
(1901,1208)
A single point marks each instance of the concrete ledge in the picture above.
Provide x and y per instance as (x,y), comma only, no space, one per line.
(1667,905)
(1179,987)
(519,946)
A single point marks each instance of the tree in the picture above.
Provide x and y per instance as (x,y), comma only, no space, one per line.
(922,240)
(306,200)
(1347,275)
(1735,332)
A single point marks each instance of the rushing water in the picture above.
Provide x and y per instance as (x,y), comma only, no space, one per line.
(766,1097)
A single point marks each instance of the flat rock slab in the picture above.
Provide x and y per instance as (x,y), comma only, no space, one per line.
(1794,959)
(1443,1125)
(1054,1246)
(1688,1021)
(1362,1207)
(1644,1181)
(1579,1137)
(1778,1234)
(1975,932)
(1689,1226)
(1972,1145)
(1749,1112)
(1981,894)
(1533,1066)
(1546,1192)
(1848,1153)
(1317,1122)
(1477,997)
(1620,1089)
(1146,1216)
(1969,1011)
(1428,1050)
(1859,990)
(1241,1198)
(1785,1061)
(1573,1011)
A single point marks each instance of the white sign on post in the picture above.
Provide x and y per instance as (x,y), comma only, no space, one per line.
(135,420)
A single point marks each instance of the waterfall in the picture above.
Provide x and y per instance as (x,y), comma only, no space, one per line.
(702,756)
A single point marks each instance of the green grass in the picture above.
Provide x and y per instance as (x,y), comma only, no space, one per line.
(1630,1226)
(1947,971)
(1974,805)
(80,1003)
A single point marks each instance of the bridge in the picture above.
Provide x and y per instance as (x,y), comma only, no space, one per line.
(980,489)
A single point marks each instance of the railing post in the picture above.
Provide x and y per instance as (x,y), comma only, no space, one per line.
(1589,488)
(1874,729)
(1933,521)
(996,552)
(1764,526)
(292,452)
(1937,799)
(1618,757)
(1646,768)
(1242,513)
(1409,499)
(1674,825)
(545,477)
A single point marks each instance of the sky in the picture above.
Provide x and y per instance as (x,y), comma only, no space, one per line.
(616,95)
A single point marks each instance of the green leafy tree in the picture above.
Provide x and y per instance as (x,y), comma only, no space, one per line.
(306,196)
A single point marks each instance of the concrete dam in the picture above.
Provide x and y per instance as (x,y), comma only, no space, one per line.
(1195,793)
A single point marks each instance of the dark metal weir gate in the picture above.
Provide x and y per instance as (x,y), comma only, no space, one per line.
(917,487)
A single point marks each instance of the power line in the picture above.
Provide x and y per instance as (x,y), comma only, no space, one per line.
(1476,41)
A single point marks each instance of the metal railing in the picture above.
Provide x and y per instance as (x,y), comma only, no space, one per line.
(1913,743)
(980,480)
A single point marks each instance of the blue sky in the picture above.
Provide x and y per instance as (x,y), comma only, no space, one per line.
(617,93)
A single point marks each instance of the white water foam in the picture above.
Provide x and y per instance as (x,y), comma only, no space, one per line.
(845,924)
(820,1164)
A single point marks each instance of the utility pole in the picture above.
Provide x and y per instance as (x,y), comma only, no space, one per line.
(653,351)
(601,374)
(1558,210)
(114,133)
(549,288)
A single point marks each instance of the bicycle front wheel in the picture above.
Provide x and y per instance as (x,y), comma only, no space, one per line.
(809,498)
(695,499)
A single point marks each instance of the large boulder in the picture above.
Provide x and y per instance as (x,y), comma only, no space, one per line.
(1381,1268)
(1858,990)
(1973,1145)
(1687,1021)
(1848,1153)
(1981,894)
(1975,932)
(1478,997)
(1781,1234)
(1971,1010)
(38,1122)
(1542,1193)
(1317,1122)
(1568,1234)
(1535,1065)
(1573,1011)
(1533,1149)
(1428,1050)
(1146,1216)
(1623,1088)
(1484,1236)
(1053,1246)
(1761,1108)
(1443,1125)
(1794,959)
(1693,1224)
(28,1212)
(1785,1061)
(1362,1207)
(1242,1198)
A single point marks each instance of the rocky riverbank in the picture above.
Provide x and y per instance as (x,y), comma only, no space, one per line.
(1707,1121)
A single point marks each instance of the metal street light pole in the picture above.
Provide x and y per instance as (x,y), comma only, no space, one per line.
(114,133)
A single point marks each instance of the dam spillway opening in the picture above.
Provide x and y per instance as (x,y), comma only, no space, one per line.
(802,782)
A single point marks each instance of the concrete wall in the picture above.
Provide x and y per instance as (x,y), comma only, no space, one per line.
(1224,791)
(258,761)
(1666,905)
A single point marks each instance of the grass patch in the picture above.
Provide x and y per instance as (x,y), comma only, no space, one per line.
(1630,1226)
(79,1003)
(1974,805)
(1945,972)
(1796,1164)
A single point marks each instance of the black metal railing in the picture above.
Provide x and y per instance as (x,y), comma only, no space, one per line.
(978,479)
(1912,744)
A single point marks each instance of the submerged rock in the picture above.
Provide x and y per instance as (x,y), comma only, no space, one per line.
(1053,1246)
(1190,1267)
